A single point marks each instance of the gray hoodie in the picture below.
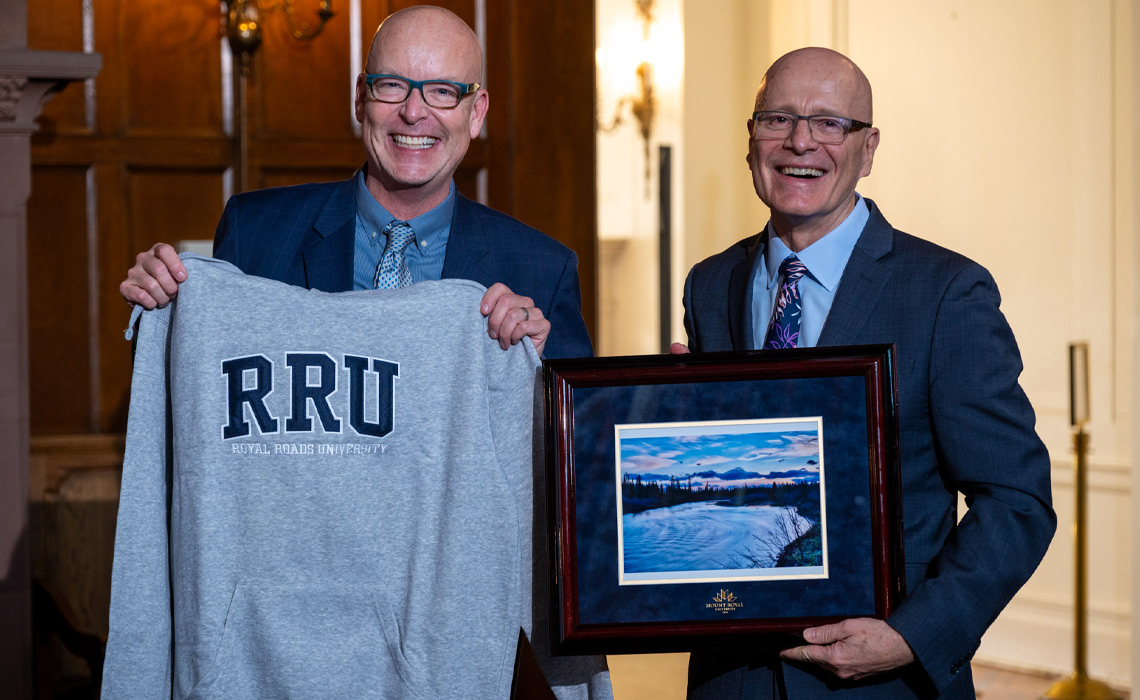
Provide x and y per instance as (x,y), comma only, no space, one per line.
(328,496)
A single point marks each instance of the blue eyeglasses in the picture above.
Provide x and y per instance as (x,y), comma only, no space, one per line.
(394,89)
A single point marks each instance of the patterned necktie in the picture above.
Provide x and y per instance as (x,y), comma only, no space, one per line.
(393,272)
(784,330)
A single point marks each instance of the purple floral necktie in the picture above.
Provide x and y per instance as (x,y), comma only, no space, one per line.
(784,330)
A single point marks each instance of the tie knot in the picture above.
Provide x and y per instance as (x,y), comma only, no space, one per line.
(400,234)
(792,269)
(392,272)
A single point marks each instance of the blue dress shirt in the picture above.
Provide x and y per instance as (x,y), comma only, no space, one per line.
(425,255)
(825,260)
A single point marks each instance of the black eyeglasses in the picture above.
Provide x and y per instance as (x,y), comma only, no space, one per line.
(442,94)
(824,128)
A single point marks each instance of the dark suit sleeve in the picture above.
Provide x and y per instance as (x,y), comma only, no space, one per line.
(568,334)
(986,448)
(690,327)
(716,295)
(225,237)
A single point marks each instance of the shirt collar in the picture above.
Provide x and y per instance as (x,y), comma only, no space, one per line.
(826,258)
(427,226)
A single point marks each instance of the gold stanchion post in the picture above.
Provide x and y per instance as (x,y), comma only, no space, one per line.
(1079,686)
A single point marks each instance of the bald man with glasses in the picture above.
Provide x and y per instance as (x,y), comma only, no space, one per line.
(420,103)
(396,222)
(828,269)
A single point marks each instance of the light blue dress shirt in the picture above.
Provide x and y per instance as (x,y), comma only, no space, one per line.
(425,254)
(825,260)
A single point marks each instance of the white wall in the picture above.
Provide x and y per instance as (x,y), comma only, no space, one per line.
(1126,62)
(627,196)
(721,74)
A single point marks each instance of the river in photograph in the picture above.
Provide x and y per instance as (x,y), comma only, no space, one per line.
(694,536)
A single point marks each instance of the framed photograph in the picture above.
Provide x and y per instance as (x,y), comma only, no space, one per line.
(720,498)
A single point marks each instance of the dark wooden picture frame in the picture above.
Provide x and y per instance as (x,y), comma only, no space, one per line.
(839,404)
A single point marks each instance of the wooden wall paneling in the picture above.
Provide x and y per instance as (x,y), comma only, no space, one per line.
(110,85)
(542,161)
(116,255)
(166,92)
(475,162)
(290,162)
(371,15)
(303,87)
(61,29)
(172,204)
(283,177)
(501,117)
(59,338)
(300,104)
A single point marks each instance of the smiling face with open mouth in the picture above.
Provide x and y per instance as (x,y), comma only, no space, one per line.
(414,149)
(809,186)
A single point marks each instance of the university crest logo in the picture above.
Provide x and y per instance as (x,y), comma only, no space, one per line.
(725,602)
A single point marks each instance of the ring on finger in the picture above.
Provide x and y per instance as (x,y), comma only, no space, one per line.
(526,314)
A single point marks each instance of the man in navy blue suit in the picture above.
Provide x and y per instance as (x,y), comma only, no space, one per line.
(965,424)
(420,104)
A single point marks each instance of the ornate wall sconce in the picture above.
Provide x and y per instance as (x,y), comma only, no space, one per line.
(643,104)
(243,30)
(243,24)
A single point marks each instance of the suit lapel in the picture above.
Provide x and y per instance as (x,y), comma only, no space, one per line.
(467,245)
(862,284)
(328,253)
